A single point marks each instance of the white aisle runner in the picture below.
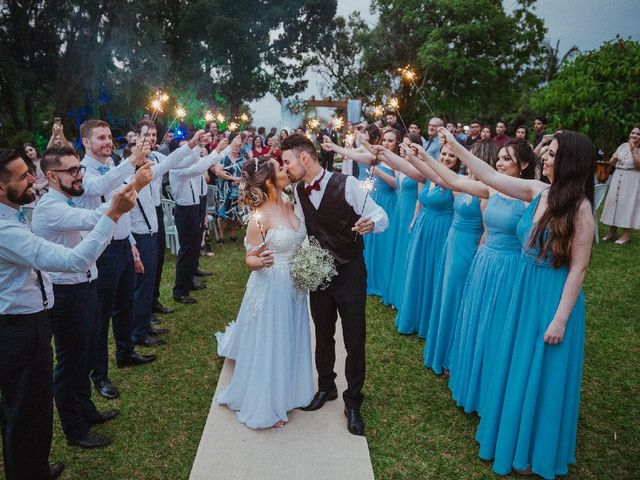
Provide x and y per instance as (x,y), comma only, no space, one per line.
(313,445)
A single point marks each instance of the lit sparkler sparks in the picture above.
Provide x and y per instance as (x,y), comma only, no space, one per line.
(377,111)
(181,112)
(394,104)
(313,124)
(244,117)
(233,126)
(408,74)
(338,122)
(208,117)
(220,118)
(349,139)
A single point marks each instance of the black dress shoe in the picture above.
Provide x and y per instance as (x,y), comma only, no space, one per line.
(159,308)
(55,470)
(154,332)
(106,389)
(103,417)
(149,341)
(90,440)
(185,299)
(202,273)
(198,286)
(135,359)
(319,400)
(355,424)
(155,320)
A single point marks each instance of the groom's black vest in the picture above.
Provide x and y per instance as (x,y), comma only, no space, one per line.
(331,223)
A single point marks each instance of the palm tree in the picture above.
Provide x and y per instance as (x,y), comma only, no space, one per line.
(553,61)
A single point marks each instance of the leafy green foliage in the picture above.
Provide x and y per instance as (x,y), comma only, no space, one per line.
(597,94)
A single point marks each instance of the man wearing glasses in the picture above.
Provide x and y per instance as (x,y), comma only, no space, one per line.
(26,297)
(74,315)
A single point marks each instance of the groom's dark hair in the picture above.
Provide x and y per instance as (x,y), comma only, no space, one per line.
(299,142)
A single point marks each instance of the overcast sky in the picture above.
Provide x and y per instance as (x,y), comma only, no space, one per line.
(585,23)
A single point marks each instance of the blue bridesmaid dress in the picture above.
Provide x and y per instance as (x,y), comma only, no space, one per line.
(485,301)
(427,241)
(531,415)
(460,248)
(379,248)
(407,194)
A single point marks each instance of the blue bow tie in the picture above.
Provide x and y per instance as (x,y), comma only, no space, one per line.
(22,215)
(103,169)
(71,202)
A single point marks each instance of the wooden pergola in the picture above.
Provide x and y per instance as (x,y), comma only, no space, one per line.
(327,102)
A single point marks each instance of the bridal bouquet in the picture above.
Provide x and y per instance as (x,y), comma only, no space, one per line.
(312,267)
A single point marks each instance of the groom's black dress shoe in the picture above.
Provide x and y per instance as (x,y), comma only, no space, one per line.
(355,424)
(106,389)
(55,470)
(319,400)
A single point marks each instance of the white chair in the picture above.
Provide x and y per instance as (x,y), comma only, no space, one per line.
(599,194)
(169,193)
(212,211)
(170,230)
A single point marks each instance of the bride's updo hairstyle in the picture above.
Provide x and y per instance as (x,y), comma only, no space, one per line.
(253,183)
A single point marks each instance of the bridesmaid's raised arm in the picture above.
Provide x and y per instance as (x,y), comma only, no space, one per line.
(514,187)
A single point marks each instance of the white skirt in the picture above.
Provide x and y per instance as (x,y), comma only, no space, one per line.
(622,206)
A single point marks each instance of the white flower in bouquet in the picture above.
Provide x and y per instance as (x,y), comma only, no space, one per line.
(312,267)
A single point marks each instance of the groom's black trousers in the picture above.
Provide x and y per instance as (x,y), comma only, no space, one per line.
(346,295)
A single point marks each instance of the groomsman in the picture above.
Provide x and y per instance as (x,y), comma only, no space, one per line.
(145,226)
(326,157)
(26,297)
(116,264)
(74,314)
(186,185)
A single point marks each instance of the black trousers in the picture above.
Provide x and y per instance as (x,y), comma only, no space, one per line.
(188,226)
(347,296)
(26,395)
(74,321)
(162,246)
(116,275)
(326,161)
(203,225)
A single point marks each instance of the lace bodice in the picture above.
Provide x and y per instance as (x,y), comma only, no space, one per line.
(283,241)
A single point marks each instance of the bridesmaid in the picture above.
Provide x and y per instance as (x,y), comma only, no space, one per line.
(427,240)
(530,419)
(400,223)
(484,303)
(460,248)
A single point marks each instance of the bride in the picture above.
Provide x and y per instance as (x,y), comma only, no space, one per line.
(270,339)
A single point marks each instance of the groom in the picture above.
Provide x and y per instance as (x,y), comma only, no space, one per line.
(337,213)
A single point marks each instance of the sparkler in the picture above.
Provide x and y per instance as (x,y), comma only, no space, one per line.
(208,116)
(368,186)
(408,74)
(156,104)
(220,118)
(233,126)
(394,104)
(257,216)
(377,111)
(244,117)
(349,139)
(313,124)
(180,112)
(338,122)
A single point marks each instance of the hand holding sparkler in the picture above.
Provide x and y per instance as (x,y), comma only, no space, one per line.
(143,176)
(327,144)
(196,139)
(141,149)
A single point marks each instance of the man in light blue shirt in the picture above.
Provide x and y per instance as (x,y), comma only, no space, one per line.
(116,264)
(26,295)
(433,142)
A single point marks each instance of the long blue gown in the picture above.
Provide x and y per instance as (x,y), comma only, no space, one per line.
(460,248)
(485,302)
(407,194)
(379,248)
(531,415)
(427,241)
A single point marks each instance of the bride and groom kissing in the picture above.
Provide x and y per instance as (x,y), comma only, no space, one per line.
(270,339)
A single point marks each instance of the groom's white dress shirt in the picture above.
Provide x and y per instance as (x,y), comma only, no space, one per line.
(355,196)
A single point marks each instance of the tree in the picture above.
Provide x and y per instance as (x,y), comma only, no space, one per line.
(553,61)
(472,58)
(597,94)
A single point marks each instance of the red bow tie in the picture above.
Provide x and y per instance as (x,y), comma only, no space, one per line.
(315,185)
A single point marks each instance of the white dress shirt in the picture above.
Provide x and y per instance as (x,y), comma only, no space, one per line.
(22,252)
(355,196)
(179,158)
(99,186)
(187,184)
(58,220)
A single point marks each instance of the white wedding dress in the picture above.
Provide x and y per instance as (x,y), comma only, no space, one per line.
(270,341)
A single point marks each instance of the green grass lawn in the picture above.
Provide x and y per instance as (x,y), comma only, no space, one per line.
(414,429)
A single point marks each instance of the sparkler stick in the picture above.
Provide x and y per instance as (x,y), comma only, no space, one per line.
(257,216)
(408,74)
(367,185)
